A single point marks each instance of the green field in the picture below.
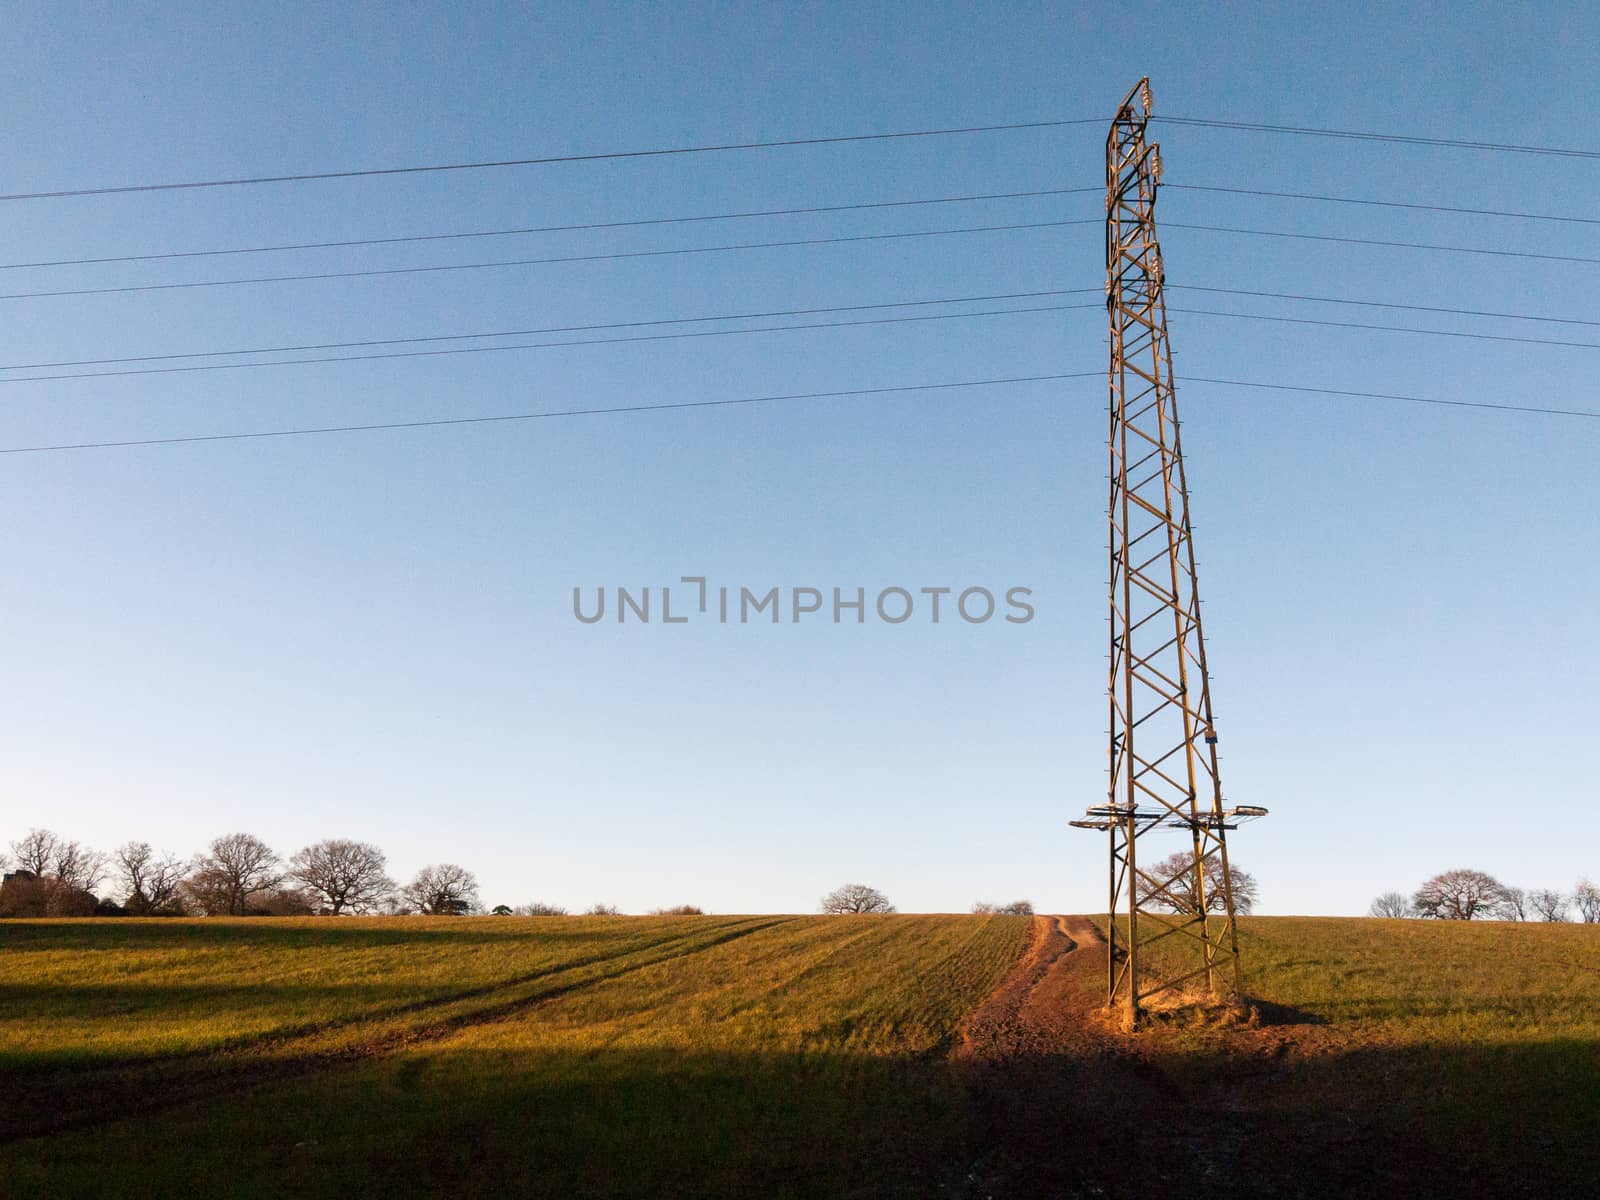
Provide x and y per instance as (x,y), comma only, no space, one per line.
(769,1056)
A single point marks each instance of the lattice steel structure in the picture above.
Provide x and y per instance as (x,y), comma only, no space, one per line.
(1163,740)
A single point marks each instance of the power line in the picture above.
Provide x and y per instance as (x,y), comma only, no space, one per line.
(590,226)
(1439,208)
(162,256)
(686,404)
(1284,387)
(1395,138)
(1323,237)
(871,237)
(662,152)
(499,333)
(304,347)
(434,168)
(659,337)
(1453,333)
(526,262)
(1460,312)
(539,416)
(650,337)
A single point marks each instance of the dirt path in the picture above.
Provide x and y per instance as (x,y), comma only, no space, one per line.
(1048,1075)
(1067,1106)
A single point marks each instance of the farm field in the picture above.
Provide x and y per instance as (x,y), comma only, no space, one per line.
(956,1056)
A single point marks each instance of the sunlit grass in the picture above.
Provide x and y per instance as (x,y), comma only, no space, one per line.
(807,1053)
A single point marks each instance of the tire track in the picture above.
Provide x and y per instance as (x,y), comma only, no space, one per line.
(86,1099)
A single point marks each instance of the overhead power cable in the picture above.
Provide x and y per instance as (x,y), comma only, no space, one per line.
(748,400)
(1451,333)
(540,416)
(1460,312)
(551,329)
(546,160)
(424,339)
(1437,208)
(527,262)
(1285,387)
(783,143)
(588,227)
(1402,139)
(1355,241)
(610,341)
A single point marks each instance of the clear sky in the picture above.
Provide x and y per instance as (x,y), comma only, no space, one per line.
(370,635)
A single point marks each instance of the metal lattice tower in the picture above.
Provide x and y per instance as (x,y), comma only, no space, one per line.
(1163,740)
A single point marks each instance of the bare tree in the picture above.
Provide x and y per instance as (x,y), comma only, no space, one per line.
(1514,904)
(539,909)
(602,910)
(205,892)
(1549,905)
(77,866)
(1017,908)
(1178,889)
(150,881)
(237,867)
(856,898)
(1391,904)
(342,876)
(1587,897)
(678,910)
(443,889)
(1459,895)
(280,901)
(36,853)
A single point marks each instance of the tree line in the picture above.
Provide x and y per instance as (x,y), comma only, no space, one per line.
(1466,895)
(237,875)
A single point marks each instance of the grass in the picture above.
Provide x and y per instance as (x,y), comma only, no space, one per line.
(661,1056)
(742,1056)
(1469,1050)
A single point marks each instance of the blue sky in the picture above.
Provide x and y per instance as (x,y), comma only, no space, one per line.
(370,635)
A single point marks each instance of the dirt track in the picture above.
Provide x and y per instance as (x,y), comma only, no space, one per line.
(1068,1106)
(1047,1071)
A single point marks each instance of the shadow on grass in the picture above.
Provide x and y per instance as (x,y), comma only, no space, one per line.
(59,1096)
(608,1121)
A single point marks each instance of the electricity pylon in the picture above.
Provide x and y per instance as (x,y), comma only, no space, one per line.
(1163,740)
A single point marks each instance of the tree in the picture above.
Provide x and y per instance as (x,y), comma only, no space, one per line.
(1549,905)
(539,909)
(677,910)
(23,894)
(856,898)
(36,853)
(78,867)
(1587,897)
(282,901)
(150,882)
(1391,904)
(603,910)
(342,875)
(54,877)
(206,893)
(1514,904)
(1017,908)
(238,866)
(1177,890)
(1459,895)
(443,889)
